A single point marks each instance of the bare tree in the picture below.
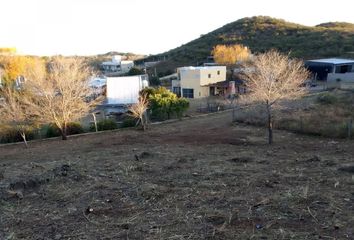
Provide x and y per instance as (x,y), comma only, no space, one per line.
(273,77)
(63,94)
(16,111)
(138,111)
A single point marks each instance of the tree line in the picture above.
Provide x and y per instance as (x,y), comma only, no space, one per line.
(57,92)
(54,92)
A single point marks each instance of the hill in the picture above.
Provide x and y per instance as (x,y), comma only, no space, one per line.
(333,39)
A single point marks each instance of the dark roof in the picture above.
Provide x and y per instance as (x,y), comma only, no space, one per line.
(224,83)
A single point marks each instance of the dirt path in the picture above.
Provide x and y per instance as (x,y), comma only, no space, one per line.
(201,178)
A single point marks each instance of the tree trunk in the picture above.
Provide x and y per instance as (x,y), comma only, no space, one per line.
(64,132)
(232,73)
(146,116)
(142,122)
(23,135)
(270,124)
(138,121)
(95,121)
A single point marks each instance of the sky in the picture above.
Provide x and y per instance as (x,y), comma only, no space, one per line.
(88,27)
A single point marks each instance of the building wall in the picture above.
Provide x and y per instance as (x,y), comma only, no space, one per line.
(111,67)
(197,79)
(126,66)
(340,80)
(176,83)
(214,76)
(345,77)
(117,65)
(125,90)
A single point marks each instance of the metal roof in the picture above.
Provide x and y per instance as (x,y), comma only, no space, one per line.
(334,61)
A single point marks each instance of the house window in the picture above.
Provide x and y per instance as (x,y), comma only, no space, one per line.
(188,92)
(218,72)
(209,75)
(343,68)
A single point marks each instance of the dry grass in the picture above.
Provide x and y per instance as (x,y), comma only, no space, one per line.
(308,115)
(194,179)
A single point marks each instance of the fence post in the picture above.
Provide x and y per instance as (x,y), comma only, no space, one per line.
(350,127)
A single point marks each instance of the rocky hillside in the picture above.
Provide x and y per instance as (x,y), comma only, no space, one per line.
(260,34)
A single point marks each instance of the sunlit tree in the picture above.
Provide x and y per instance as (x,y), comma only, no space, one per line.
(62,96)
(138,111)
(273,77)
(16,110)
(230,54)
(18,66)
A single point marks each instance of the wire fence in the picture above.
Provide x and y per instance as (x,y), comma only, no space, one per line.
(310,125)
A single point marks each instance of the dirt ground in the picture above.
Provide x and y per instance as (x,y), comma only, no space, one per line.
(201,178)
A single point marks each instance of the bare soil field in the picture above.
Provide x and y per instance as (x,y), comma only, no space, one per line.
(200,178)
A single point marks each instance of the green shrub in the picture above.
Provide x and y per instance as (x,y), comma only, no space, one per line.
(179,106)
(128,122)
(135,71)
(326,98)
(105,124)
(164,104)
(10,135)
(72,129)
(154,81)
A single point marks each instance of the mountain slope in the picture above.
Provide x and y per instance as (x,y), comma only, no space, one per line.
(263,33)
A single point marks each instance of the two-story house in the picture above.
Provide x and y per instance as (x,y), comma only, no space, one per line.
(198,82)
(117,65)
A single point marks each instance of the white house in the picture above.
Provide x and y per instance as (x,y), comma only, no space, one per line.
(125,90)
(117,65)
(336,72)
(198,82)
(166,81)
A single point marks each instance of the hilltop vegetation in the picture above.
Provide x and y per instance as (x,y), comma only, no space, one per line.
(261,34)
(94,61)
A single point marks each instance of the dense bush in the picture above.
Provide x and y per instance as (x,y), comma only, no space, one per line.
(10,135)
(72,128)
(163,104)
(135,71)
(105,124)
(128,122)
(154,81)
